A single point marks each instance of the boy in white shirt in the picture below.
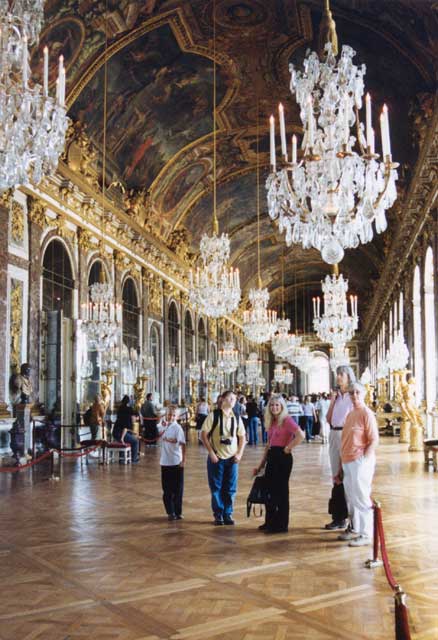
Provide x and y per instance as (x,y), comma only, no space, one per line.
(173,457)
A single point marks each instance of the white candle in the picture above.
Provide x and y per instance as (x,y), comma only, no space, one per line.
(25,67)
(368,121)
(385,149)
(310,124)
(314,306)
(386,118)
(346,125)
(282,130)
(272,141)
(62,90)
(294,149)
(318,300)
(57,89)
(372,144)
(46,71)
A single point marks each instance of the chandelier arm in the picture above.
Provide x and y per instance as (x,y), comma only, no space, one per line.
(298,204)
(387,176)
(356,111)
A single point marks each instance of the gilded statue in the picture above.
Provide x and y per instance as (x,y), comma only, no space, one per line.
(16,326)
(408,405)
(139,394)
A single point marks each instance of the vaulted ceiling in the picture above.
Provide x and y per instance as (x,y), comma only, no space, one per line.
(160,98)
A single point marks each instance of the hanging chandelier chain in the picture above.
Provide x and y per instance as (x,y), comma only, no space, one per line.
(258,195)
(215,219)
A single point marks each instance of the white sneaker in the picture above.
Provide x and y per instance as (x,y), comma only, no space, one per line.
(361,541)
(348,534)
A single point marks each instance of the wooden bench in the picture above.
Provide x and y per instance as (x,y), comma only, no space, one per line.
(429,453)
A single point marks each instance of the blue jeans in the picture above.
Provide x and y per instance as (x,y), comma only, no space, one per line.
(264,434)
(309,427)
(131,439)
(222,480)
(252,430)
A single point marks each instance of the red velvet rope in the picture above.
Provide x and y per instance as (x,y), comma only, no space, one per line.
(77,455)
(20,467)
(402,631)
(385,559)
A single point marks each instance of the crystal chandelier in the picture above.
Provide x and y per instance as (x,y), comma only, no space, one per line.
(398,354)
(300,358)
(259,322)
(329,197)
(102,317)
(279,373)
(33,124)
(335,326)
(215,287)
(284,342)
(228,358)
(253,369)
(339,356)
(288,377)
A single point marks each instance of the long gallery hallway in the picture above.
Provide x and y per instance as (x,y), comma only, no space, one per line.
(93,557)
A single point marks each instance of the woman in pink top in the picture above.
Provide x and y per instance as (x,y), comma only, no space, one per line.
(283,435)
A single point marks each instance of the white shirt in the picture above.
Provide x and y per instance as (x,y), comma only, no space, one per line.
(323,407)
(171,452)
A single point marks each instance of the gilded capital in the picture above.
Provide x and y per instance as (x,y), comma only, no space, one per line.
(37,212)
(84,240)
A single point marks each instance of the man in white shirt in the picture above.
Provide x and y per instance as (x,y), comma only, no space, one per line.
(223,435)
(322,407)
(172,461)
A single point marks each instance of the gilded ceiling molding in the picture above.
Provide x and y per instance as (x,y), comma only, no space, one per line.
(415,210)
(85,242)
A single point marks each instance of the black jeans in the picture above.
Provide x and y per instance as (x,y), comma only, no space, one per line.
(172,481)
(277,474)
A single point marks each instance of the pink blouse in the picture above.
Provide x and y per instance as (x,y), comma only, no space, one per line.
(280,436)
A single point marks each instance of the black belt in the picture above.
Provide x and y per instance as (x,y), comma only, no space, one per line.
(336,428)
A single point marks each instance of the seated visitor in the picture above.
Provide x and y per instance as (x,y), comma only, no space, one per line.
(123,427)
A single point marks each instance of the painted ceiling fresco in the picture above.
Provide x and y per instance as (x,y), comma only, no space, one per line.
(160,104)
(159,100)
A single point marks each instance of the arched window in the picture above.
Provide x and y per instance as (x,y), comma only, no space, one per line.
(429,316)
(173,359)
(189,352)
(401,313)
(58,280)
(96,271)
(131,316)
(418,341)
(202,341)
(155,352)
(318,378)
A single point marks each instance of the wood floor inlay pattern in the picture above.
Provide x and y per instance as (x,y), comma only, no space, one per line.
(92,557)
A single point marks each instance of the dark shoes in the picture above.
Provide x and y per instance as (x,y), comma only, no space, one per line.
(336,525)
(263,527)
(284,530)
(218,521)
(172,516)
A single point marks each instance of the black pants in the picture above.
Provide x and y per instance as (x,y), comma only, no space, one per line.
(150,431)
(172,481)
(277,474)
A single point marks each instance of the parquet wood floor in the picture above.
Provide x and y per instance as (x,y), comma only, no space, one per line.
(92,556)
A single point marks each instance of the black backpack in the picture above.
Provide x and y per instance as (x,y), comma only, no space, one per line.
(86,418)
(260,494)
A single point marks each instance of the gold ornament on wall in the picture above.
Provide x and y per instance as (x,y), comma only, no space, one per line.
(37,212)
(17,223)
(16,325)
(155,297)
(84,240)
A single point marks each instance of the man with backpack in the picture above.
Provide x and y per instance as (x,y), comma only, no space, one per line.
(223,435)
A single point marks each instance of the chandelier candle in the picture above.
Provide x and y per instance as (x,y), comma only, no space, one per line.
(282,131)
(272,141)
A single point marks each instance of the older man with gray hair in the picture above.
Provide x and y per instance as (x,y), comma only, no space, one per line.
(340,406)
(360,438)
